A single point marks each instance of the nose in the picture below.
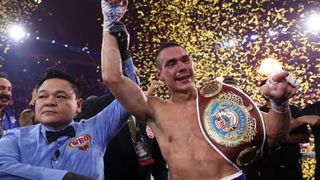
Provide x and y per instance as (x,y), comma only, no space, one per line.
(182,67)
(50,101)
(6,92)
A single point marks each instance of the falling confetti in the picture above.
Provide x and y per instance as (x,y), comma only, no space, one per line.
(11,12)
(232,38)
(256,29)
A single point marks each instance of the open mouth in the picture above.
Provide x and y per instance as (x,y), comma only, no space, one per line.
(183,77)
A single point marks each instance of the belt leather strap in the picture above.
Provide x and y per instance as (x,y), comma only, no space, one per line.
(231,123)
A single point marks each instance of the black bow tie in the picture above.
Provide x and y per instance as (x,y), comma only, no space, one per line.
(53,136)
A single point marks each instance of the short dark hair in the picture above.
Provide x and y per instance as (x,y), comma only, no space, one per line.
(162,47)
(55,73)
(229,80)
(4,75)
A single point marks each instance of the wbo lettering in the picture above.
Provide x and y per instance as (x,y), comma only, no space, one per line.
(80,142)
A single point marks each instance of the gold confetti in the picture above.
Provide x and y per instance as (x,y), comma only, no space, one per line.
(202,27)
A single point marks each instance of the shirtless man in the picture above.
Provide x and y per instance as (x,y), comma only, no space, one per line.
(174,122)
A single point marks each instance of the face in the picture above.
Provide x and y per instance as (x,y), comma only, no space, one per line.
(5,92)
(56,103)
(176,69)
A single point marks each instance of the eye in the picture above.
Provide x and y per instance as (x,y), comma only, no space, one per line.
(186,59)
(170,63)
(61,97)
(41,96)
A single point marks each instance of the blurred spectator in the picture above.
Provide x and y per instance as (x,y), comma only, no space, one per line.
(286,158)
(313,111)
(7,117)
(27,117)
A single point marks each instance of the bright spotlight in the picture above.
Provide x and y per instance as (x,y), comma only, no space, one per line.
(229,43)
(269,66)
(232,43)
(273,33)
(220,78)
(253,37)
(17,32)
(313,22)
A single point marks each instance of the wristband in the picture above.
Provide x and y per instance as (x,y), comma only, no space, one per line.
(280,107)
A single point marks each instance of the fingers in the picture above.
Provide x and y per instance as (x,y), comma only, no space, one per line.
(281,76)
(156,84)
(292,81)
(278,77)
(123,3)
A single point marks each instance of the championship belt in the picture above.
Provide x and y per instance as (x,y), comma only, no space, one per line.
(231,123)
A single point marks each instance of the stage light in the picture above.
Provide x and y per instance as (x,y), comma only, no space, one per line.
(229,43)
(273,33)
(269,66)
(17,32)
(253,37)
(37,38)
(219,79)
(232,43)
(313,23)
(53,41)
(66,45)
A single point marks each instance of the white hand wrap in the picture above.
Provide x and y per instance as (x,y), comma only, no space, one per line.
(111,14)
(290,79)
(284,106)
(280,108)
(293,81)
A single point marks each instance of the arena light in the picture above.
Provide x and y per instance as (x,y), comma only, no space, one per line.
(229,43)
(17,32)
(313,23)
(253,37)
(273,33)
(220,79)
(269,66)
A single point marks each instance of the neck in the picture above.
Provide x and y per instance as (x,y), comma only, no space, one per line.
(182,97)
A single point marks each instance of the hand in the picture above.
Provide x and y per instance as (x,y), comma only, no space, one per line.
(312,120)
(153,87)
(74,176)
(279,90)
(112,10)
(119,31)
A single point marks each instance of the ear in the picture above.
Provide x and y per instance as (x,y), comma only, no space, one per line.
(79,105)
(158,74)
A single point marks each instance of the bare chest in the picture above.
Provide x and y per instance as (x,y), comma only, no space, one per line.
(185,148)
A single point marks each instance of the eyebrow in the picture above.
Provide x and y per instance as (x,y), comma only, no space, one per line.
(3,86)
(56,92)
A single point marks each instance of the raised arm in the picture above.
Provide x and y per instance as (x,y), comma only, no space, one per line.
(126,91)
(279,88)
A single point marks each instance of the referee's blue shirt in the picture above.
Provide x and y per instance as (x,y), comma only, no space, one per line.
(26,154)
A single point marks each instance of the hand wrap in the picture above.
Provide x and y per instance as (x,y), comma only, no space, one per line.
(111,14)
